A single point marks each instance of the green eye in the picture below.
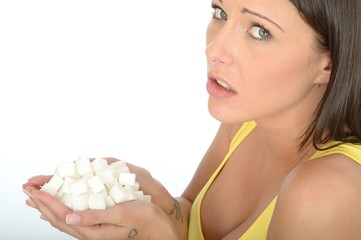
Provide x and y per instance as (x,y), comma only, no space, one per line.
(259,32)
(218,13)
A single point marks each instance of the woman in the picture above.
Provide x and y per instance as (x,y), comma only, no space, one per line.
(284,80)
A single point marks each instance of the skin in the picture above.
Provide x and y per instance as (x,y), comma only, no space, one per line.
(129,220)
(277,81)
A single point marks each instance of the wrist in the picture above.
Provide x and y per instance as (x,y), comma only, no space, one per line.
(169,229)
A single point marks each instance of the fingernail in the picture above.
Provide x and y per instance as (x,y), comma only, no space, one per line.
(43,218)
(30,203)
(26,192)
(72,219)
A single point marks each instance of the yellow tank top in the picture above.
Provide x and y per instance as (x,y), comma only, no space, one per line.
(258,230)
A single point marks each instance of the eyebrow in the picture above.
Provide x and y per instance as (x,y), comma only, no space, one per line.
(245,10)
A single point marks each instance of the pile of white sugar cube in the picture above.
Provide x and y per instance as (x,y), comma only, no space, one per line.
(95,185)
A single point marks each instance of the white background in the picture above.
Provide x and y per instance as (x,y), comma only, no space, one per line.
(99,78)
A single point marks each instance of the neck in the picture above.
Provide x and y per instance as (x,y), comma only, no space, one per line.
(282,144)
(283,132)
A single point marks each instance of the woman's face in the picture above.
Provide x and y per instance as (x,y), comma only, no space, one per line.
(262,60)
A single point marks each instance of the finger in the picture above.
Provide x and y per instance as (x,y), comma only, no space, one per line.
(39,180)
(121,215)
(53,211)
(35,183)
(30,203)
(42,217)
(49,202)
(94,217)
(28,188)
(122,221)
(117,222)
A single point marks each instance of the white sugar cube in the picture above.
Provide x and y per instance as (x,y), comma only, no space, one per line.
(78,187)
(80,202)
(109,186)
(97,201)
(56,181)
(67,199)
(131,192)
(126,178)
(82,160)
(136,186)
(84,168)
(86,178)
(66,185)
(118,194)
(119,164)
(140,195)
(96,184)
(66,169)
(123,170)
(59,194)
(99,163)
(49,189)
(106,175)
(147,198)
(115,179)
(109,202)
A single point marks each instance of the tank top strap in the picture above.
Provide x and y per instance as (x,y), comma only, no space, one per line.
(350,150)
(195,226)
(241,134)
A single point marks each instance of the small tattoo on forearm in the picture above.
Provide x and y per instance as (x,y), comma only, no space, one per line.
(132,233)
(177,211)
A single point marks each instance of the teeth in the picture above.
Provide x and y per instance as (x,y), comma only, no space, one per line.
(223,85)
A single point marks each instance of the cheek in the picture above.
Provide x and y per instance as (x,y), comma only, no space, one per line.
(285,71)
(279,81)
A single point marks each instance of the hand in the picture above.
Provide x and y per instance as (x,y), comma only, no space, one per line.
(150,186)
(133,219)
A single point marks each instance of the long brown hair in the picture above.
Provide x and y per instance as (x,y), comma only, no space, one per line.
(337,24)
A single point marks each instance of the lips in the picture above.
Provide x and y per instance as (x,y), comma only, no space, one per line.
(220,82)
(219,88)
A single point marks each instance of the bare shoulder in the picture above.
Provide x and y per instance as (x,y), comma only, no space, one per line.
(211,160)
(320,200)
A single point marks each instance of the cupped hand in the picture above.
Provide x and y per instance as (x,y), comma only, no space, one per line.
(150,186)
(128,220)
(134,219)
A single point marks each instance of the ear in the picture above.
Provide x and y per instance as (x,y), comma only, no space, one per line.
(326,68)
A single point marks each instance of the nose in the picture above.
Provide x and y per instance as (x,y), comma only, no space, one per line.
(220,45)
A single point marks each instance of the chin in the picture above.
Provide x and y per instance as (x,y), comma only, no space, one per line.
(229,115)
(224,116)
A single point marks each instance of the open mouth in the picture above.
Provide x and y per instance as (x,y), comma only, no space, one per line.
(222,84)
(219,89)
